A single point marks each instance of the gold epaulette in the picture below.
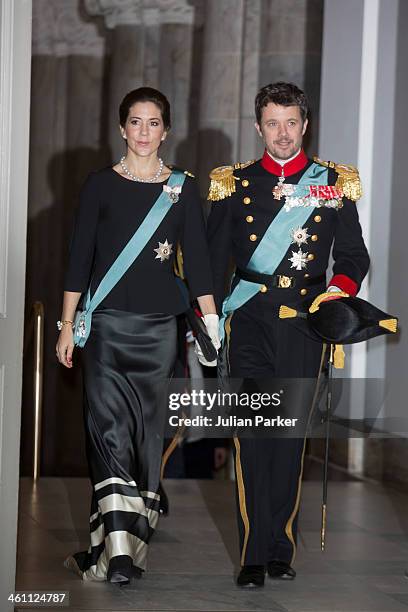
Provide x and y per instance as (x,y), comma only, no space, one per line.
(223,181)
(348,179)
(241,165)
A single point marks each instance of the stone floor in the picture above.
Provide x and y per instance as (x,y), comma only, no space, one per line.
(193,557)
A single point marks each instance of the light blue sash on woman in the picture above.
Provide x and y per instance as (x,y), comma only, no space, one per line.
(273,246)
(125,259)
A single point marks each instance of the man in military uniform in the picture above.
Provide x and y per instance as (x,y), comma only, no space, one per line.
(278,218)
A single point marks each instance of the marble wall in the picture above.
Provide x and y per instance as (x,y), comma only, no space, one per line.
(394,452)
(290,49)
(210,57)
(364,96)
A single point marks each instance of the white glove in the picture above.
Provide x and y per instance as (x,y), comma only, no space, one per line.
(211,322)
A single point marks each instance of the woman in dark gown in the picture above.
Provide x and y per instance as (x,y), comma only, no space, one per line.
(131,349)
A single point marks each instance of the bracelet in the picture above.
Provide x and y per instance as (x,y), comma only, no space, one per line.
(60,324)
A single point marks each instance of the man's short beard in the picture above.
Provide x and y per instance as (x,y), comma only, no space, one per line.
(289,154)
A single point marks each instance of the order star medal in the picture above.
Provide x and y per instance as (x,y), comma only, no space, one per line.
(299,260)
(299,235)
(163,251)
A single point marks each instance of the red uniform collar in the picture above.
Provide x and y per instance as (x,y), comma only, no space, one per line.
(291,167)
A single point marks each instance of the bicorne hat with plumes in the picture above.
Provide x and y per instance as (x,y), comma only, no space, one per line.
(345,320)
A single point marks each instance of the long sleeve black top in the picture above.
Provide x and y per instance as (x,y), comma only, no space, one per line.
(111,208)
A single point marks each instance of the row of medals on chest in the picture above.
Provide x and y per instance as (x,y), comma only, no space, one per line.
(299,235)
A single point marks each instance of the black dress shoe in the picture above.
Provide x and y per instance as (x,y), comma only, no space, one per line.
(280,570)
(251,576)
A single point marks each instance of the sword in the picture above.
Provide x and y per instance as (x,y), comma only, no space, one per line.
(326,453)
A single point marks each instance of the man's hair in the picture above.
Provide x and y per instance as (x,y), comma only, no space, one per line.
(283,94)
(145,94)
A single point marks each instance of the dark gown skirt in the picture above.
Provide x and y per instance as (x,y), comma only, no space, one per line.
(127,361)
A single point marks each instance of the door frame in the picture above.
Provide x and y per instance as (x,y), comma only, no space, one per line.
(15,76)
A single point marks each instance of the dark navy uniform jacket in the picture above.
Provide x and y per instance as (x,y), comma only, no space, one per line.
(237,223)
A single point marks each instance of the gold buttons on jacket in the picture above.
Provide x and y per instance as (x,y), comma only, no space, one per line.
(317,218)
(303,291)
(315,237)
(245,183)
(310,257)
(307,275)
(263,289)
(249,219)
(247,200)
(253,237)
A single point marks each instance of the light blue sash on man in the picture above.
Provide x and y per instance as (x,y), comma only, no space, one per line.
(273,246)
(125,259)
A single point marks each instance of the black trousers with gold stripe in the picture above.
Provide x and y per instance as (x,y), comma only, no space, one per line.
(269,470)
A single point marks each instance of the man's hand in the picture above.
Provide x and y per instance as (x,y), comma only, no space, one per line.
(211,322)
(333,293)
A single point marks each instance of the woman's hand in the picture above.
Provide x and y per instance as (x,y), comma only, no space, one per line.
(211,322)
(65,346)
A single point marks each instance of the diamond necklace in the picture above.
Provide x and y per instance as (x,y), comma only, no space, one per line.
(136,178)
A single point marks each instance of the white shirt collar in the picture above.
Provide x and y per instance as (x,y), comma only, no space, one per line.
(282,162)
